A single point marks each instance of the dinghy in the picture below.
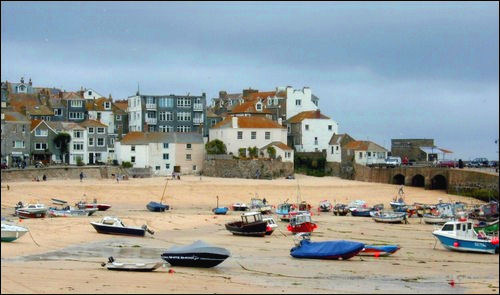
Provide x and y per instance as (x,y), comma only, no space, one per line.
(198,254)
(251,224)
(113,265)
(388,217)
(340,210)
(31,210)
(157,207)
(340,249)
(384,250)
(219,210)
(70,212)
(12,232)
(361,211)
(259,206)
(239,207)
(113,225)
(325,206)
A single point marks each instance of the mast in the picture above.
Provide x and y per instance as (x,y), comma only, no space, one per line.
(164,189)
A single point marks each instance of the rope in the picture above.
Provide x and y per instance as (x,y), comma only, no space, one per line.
(29,231)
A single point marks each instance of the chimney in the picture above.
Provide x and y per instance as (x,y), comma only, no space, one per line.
(222,94)
(280,121)
(234,122)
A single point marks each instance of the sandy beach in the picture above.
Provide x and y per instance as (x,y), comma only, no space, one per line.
(69,251)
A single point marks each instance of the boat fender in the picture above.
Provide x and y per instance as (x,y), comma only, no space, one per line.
(494,241)
(456,244)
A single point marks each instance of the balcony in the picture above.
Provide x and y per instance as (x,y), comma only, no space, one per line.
(197,121)
(151,106)
(151,121)
(198,107)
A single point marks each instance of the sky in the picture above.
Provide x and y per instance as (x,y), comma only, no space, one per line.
(381,70)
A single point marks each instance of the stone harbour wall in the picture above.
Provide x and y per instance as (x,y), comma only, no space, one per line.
(255,168)
(68,172)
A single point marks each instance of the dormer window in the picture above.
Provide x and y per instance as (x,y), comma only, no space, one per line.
(258,106)
(107,105)
(90,92)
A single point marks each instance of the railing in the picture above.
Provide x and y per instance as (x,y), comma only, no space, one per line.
(151,121)
(151,106)
(197,107)
(197,121)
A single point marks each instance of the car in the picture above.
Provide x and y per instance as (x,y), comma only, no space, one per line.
(493,164)
(393,161)
(478,162)
(447,164)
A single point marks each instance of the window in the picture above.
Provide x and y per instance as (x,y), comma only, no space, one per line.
(91,141)
(112,141)
(77,134)
(18,144)
(289,129)
(188,157)
(258,106)
(78,146)
(132,159)
(447,227)
(91,130)
(157,168)
(57,112)
(337,148)
(166,116)
(77,103)
(360,155)
(98,116)
(315,141)
(194,167)
(166,102)
(330,127)
(75,116)
(183,128)
(170,129)
(41,132)
(297,102)
(332,150)
(118,117)
(100,141)
(183,102)
(167,166)
(40,146)
(183,116)
(132,148)
(254,135)
(90,92)
(240,134)
(369,154)
(107,105)
(307,127)
(100,130)
(165,156)
(188,146)
(165,145)
(268,135)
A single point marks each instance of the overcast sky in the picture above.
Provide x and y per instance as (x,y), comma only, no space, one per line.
(381,70)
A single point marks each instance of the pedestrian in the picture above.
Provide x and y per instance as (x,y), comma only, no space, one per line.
(460,164)
(81,176)
(401,191)
(117,178)
(44,177)
(264,201)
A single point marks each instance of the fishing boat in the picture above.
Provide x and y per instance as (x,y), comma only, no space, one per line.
(300,222)
(197,254)
(325,206)
(361,211)
(458,235)
(442,213)
(398,206)
(251,224)
(259,206)
(283,211)
(436,219)
(219,210)
(489,228)
(158,207)
(271,225)
(486,212)
(379,250)
(357,204)
(12,232)
(340,210)
(137,266)
(70,212)
(239,207)
(99,206)
(339,249)
(389,217)
(31,210)
(113,225)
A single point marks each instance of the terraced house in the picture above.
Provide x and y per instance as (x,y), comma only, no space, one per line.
(97,138)
(166,113)
(15,138)
(75,106)
(43,148)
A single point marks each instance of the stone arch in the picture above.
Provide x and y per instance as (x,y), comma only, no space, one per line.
(439,182)
(398,179)
(418,180)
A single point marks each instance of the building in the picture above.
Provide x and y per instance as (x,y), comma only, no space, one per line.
(42,143)
(121,118)
(298,101)
(78,143)
(310,131)
(283,152)
(90,94)
(15,138)
(412,148)
(365,152)
(75,106)
(212,120)
(336,148)
(97,142)
(245,132)
(164,153)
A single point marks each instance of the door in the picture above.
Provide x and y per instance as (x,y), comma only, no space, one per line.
(177,169)
(91,158)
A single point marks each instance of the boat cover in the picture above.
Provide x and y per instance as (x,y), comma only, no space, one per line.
(198,247)
(308,249)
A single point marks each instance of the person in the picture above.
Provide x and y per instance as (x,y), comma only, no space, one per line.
(81,176)
(401,191)
(44,177)
(117,178)
(264,201)
(460,164)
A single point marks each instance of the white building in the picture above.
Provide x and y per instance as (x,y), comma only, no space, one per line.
(134,110)
(366,152)
(336,147)
(91,94)
(284,152)
(298,101)
(245,132)
(78,143)
(311,131)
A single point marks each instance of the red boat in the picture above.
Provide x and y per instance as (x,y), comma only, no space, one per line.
(27,214)
(100,207)
(300,222)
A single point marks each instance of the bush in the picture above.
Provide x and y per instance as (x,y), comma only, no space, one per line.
(215,147)
(272,152)
(253,152)
(127,165)
(242,152)
(79,162)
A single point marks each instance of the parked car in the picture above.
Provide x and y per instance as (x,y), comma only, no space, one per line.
(493,164)
(447,164)
(478,162)
(39,164)
(393,161)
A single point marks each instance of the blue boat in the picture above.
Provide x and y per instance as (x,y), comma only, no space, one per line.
(361,212)
(459,235)
(157,207)
(283,211)
(383,250)
(220,210)
(326,250)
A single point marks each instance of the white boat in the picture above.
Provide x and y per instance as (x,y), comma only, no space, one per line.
(436,219)
(12,232)
(31,208)
(388,217)
(271,225)
(70,212)
(130,266)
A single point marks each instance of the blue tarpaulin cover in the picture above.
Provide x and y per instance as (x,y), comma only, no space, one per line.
(326,250)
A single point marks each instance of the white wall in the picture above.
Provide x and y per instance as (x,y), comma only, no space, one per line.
(304,96)
(83,153)
(334,153)
(134,111)
(94,94)
(362,158)
(150,155)
(318,128)
(107,118)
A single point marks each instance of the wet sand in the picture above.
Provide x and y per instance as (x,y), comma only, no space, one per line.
(70,251)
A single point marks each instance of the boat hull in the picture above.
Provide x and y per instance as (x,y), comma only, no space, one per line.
(431,219)
(371,250)
(156,207)
(99,207)
(360,213)
(114,230)
(306,227)
(331,250)
(488,229)
(467,245)
(204,260)
(254,229)
(10,236)
(220,210)
(133,267)
(33,214)
(69,213)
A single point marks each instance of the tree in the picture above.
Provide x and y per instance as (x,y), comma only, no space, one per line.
(215,147)
(62,139)
(253,152)
(242,152)
(272,152)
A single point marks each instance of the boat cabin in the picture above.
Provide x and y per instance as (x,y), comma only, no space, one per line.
(300,218)
(251,217)
(460,229)
(114,221)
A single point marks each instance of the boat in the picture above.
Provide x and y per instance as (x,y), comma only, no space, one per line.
(197,254)
(219,210)
(70,212)
(283,211)
(357,204)
(300,222)
(251,224)
(271,225)
(489,228)
(12,232)
(239,207)
(389,217)
(339,249)
(259,206)
(442,213)
(138,266)
(325,206)
(398,206)
(58,202)
(36,210)
(380,250)
(486,212)
(361,211)
(340,210)
(157,207)
(436,219)
(302,206)
(100,207)
(113,225)
(458,235)
(378,207)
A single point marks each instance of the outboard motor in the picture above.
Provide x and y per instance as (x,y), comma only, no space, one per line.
(145,227)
